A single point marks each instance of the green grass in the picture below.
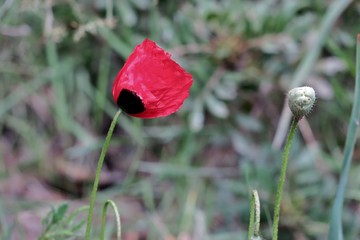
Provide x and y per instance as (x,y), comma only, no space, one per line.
(336,229)
(193,172)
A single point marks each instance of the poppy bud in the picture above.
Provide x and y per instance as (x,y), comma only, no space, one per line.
(151,84)
(301,100)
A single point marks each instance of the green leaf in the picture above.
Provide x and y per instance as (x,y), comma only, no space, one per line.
(197,117)
(216,107)
(60,213)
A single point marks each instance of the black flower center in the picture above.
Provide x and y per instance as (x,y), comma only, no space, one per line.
(130,102)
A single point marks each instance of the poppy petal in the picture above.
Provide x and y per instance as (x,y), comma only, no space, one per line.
(151,84)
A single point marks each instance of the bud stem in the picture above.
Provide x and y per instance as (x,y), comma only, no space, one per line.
(282,177)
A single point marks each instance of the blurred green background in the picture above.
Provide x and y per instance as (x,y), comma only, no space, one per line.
(189,175)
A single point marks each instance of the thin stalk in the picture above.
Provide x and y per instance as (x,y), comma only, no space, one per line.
(117,218)
(257,213)
(254,224)
(282,177)
(98,172)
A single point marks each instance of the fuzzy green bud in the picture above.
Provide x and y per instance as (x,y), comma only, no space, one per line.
(301,100)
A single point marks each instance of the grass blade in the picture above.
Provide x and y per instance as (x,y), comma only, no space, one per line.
(22,92)
(117,44)
(335,232)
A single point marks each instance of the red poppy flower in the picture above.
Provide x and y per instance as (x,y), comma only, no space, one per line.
(150,84)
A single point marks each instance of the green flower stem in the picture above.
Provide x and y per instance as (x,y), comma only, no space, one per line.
(98,172)
(117,218)
(282,177)
(254,224)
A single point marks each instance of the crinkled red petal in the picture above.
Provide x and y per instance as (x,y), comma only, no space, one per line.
(161,83)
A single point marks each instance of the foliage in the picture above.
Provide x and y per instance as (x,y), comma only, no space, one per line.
(58,224)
